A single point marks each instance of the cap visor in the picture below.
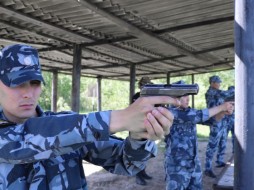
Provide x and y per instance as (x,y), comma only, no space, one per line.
(17,78)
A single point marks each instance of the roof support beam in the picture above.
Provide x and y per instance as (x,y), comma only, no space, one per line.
(171,29)
(230,45)
(195,24)
(192,69)
(143,34)
(41,23)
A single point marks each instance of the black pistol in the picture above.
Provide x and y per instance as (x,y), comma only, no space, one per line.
(172,90)
(230,98)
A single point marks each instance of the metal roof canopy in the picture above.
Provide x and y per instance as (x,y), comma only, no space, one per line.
(160,36)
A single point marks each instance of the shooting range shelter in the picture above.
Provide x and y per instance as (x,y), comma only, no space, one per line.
(128,39)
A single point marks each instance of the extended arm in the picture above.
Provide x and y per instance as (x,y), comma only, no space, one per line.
(45,137)
(221,110)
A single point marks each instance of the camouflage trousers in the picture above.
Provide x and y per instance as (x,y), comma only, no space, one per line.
(217,141)
(183,174)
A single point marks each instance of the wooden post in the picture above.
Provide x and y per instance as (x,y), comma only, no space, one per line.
(99,93)
(244,99)
(54,91)
(132,81)
(168,77)
(76,74)
(192,97)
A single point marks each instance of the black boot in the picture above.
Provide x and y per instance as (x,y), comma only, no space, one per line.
(140,180)
(210,173)
(145,175)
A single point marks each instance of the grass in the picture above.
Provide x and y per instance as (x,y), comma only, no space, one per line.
(122,134)
(203,132)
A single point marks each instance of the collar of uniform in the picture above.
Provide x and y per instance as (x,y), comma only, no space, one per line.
(6,123)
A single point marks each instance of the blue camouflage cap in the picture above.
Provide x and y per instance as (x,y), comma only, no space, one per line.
(19,63)
(179,82)
(231,88)
(215,78)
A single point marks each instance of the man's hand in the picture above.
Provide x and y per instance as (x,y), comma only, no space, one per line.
(157,125)
(143,120)
(228,107)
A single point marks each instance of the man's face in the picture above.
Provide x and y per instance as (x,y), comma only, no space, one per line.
(19,102)
(215,85)
(185,101)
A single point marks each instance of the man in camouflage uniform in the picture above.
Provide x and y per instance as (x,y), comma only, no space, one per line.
(182,165)
(44,150)
(231,121)
(218,129)
(227,123)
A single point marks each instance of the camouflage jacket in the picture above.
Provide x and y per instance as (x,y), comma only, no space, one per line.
(181,143)
(46,152)
(215,97)
(230,121)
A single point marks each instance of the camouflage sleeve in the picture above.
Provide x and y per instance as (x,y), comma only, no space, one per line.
(44,137)
(226,93)
(213,98)
(205,114)
(125,157)
(210,121)
(202,116)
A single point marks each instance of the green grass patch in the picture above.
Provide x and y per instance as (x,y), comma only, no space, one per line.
(122,134)
(203,131)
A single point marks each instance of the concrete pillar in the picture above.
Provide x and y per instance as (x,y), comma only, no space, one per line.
(244,108)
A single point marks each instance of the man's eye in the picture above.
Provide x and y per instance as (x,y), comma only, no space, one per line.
(35,82)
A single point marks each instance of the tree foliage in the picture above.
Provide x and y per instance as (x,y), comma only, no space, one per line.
(115,94)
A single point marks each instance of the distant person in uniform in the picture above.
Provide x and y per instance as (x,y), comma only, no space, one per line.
(142,175)
(231,122)
(218,129)
(182,165)
(44,150)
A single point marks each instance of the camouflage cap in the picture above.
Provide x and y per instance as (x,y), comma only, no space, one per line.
(179,82)
(231,88)
(145,80)
(215,78)
(18,64)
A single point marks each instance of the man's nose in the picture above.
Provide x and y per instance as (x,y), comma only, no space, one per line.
(27,91)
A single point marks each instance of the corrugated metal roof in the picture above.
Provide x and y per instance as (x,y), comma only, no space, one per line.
(158,36)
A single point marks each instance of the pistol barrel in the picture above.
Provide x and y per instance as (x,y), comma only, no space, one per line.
(173,90)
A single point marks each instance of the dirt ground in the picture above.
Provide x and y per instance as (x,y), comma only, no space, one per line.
(99,179)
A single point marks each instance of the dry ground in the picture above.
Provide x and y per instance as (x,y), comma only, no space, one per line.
(99,179)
